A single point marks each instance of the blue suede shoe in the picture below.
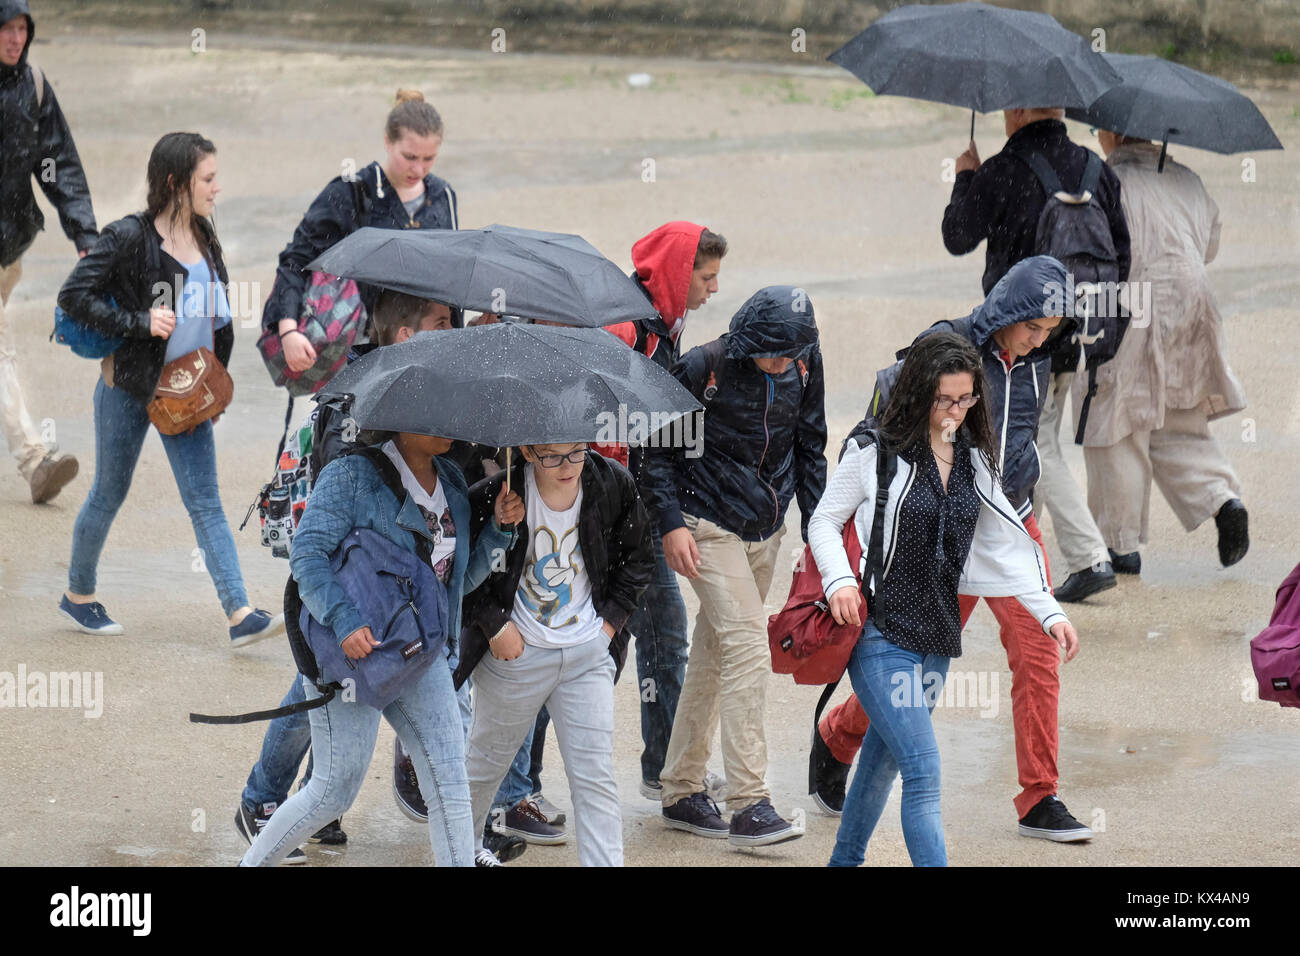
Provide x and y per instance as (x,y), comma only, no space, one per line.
(257,625)
(90,618)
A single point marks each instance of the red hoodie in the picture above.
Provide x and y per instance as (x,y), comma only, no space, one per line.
(664,260)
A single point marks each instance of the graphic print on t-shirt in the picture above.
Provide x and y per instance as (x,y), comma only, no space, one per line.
(441,529)
(547,586)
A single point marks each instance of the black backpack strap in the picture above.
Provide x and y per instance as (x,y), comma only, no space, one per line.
(1087,403)
(1043,170)
(327,692)
(1091,174)
(886,467)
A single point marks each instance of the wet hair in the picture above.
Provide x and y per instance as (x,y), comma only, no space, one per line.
(712,246)
(414,114)
(170,172)
(396,310)
(906,419)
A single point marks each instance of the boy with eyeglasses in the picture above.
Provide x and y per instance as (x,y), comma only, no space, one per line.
(549,629)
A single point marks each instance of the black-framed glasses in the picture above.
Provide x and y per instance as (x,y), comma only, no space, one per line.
(943,402)
(576,457)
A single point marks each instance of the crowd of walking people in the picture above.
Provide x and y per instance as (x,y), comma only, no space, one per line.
(553,561)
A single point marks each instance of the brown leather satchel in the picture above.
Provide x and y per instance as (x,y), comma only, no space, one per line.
(192,389)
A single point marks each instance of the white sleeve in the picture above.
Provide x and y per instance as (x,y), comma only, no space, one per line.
(1004,561)
(852,482)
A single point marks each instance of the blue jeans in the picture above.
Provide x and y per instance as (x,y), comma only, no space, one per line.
(121,423)
(427,720)
(288,740)
(898,690)
(659,627)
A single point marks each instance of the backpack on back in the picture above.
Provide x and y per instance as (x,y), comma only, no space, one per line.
(91,343)
(1074,229)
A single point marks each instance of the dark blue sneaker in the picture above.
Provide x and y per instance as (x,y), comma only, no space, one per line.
(257,625)
(90,618)
(697,814)
(760,825)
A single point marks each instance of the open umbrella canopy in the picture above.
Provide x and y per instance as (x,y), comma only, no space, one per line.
(510,384)
(536,275)
(977,56)
(1159,100)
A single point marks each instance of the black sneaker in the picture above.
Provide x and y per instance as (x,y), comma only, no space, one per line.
(1049,820)
(1234,542)
(1130,563)
(406,786)
(696,814)
(525,820)
(760,825)
(503,846)
(250,824)
(331,834)
(485,857)
(827,777)
(1082,584)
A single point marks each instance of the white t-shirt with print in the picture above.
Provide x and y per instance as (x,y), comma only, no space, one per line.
(436,512)
(553,601)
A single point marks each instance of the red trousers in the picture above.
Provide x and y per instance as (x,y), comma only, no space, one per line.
(1034,659)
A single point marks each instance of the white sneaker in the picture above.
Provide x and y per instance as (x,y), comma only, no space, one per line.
(554,815)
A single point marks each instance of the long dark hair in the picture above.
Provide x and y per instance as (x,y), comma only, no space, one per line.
(906,421)
(171,169)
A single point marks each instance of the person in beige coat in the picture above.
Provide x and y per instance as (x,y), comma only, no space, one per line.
(1149,418)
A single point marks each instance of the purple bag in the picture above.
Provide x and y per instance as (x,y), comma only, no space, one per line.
(1275,651)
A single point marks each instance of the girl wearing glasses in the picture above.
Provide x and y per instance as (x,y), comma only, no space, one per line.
(948,528)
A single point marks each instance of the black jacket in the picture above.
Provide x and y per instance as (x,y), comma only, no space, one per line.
(1002,200)
(118,266)
(334,215)
(764,436)
(35,141)
(613,534)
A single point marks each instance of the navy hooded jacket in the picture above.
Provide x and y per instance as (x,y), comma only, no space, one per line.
(764,436)
(1031,289)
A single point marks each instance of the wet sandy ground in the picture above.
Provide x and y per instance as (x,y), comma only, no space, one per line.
(814,183)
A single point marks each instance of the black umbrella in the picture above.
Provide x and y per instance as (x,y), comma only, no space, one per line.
(509,384)
(977,56)
(523,272)
(1159,100)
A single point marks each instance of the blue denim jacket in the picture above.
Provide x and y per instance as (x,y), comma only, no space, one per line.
(350,493)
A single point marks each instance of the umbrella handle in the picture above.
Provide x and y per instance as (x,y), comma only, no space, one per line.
(1164,147)
(508,450)
(972,126)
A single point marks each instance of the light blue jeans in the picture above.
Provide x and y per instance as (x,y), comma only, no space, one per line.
(121,423)
(898,689)
(427,719)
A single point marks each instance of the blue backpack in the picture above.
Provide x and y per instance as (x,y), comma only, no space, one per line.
(396,591)
(82,339)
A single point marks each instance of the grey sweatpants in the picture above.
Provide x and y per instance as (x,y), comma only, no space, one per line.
(576,684)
